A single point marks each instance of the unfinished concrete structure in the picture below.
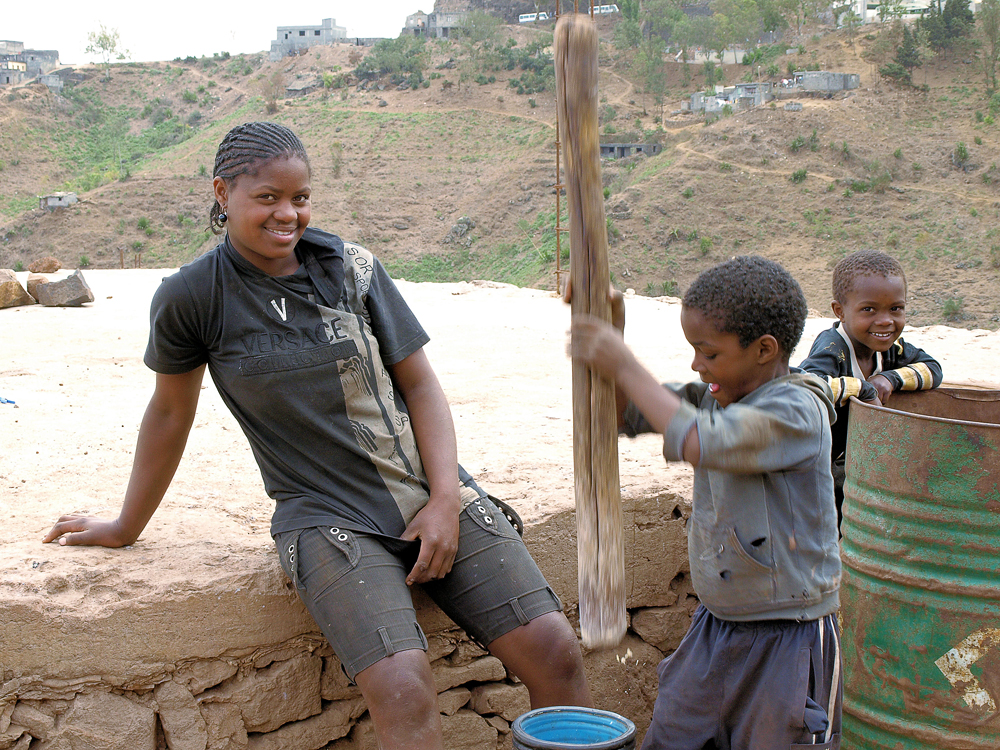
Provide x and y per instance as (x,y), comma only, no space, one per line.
(625,150)
(301,87)
(13,69)
(51,82)
(416,24)
(825,81)
(18,64)
(57,200)
(746,95)
(443,25)
(39,61)
(292,39)
(740,96)
(11,73)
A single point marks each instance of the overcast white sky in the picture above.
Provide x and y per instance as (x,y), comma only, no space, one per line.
(165,29)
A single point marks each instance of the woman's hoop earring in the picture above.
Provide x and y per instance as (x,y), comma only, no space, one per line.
(223,217)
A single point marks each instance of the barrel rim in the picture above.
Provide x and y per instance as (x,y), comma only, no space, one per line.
(856,402)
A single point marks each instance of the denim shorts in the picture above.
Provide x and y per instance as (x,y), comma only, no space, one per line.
(355,588)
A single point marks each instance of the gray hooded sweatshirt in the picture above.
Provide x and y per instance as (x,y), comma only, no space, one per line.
(762,537)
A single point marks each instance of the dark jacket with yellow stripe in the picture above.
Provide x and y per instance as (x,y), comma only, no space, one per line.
(906,367)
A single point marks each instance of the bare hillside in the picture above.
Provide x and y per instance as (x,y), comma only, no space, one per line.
(397,168)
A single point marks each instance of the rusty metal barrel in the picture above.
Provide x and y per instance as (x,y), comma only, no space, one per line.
(920,598)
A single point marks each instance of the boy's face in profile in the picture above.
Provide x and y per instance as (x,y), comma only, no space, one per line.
(873,313)
(731,370)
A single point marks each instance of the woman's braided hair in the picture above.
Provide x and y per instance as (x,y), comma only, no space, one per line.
(244,148)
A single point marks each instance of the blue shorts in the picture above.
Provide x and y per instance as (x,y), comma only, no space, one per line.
(355,588)
(764,685)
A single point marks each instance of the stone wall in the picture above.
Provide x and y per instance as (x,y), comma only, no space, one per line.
(232,661)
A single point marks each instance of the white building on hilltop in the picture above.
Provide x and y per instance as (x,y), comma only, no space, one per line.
(868,10)
(292,39)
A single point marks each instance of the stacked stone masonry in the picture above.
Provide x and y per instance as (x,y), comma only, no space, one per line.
(242,666)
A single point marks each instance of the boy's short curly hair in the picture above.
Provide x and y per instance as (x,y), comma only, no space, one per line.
(751,296)
(863,263)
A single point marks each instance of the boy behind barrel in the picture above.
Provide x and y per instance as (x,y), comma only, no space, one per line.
(760,665)
(863,353)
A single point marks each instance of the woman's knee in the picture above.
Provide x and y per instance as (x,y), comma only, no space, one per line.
(547,647)
(562,644)
(403,680)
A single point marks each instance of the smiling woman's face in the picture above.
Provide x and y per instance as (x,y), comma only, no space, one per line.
(268,212)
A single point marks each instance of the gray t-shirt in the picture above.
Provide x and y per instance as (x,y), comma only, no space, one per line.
(308,382)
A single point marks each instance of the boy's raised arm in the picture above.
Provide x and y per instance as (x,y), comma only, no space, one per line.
(162,437)
(602,347)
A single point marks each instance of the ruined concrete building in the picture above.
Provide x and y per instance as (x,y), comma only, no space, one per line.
(293,39)
(18,64)
(436,25)
(825,81)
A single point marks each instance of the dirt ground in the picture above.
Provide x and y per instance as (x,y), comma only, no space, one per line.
(80,389)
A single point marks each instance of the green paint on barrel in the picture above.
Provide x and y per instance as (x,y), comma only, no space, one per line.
(920,599)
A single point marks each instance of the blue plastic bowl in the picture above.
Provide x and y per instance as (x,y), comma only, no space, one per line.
(572,728)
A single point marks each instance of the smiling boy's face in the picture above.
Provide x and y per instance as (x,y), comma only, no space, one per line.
(873,313)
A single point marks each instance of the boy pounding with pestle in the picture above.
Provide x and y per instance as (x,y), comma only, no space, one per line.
(760,665)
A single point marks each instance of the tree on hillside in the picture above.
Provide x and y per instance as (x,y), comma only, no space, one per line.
(924,49)
(403,59)
(271,89)
(649,62)
(880,52)
(478,34)
(797,12)
(934,28)
(628,29)
(958,18)
(948,26)
(736,21)
(659,17)
(698,31)
(988,28)
(851,21)
(907,54)
(790,11)
(106,43)
(479,28)
(630,9)
(890,10)
(771,18)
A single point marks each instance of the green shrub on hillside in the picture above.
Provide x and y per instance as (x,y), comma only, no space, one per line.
(538,72)
(961,154)
(763,55)
(896,73)
(102,146)
(952,308)
(402,59)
